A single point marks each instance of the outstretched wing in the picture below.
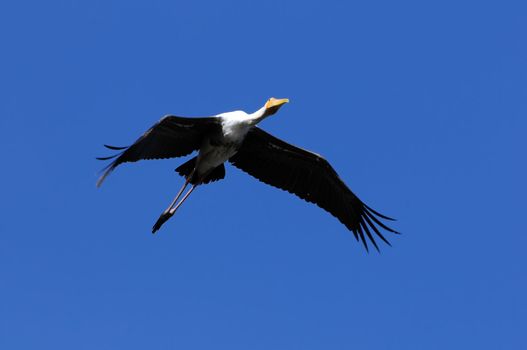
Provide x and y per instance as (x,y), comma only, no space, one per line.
(310,177)
(171,137)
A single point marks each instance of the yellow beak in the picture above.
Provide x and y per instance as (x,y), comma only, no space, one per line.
(275,102)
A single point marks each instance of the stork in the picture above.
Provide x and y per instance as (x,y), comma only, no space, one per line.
(235,137)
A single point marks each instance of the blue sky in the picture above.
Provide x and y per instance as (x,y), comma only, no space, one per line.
(420,106)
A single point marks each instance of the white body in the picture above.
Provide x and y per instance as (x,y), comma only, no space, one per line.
(235,126)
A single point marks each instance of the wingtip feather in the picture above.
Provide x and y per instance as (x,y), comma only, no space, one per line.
(379,214)
(115,148)
(368,233)
(363,239)
(106,158)
(376,230)
(107,170)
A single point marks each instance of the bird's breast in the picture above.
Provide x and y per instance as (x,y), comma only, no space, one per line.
(215,152)
(222,145)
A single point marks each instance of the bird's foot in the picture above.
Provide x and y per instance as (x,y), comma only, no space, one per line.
(162,219)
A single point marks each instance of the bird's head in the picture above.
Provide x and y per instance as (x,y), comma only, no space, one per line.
(273,105)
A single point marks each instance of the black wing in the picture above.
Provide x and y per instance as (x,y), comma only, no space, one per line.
(310,177)
(171,137)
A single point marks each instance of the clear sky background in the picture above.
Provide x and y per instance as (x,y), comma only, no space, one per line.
(420,106)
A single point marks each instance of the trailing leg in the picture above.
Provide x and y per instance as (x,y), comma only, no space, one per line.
(167,214)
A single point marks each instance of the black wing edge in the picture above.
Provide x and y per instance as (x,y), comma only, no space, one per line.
(366,223)
(369,220)
(110,167)
(200,122)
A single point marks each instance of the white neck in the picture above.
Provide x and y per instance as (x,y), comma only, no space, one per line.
(258,116)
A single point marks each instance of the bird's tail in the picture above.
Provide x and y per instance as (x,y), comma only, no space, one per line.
(187,169)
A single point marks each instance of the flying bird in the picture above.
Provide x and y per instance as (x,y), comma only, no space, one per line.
(236,138)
